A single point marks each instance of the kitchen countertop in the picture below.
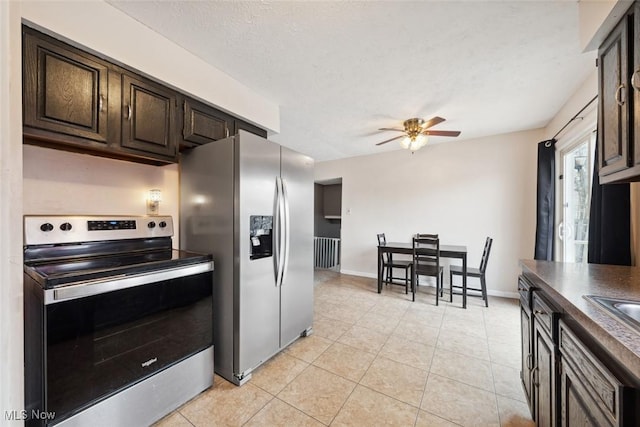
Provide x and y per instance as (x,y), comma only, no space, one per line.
(566,283)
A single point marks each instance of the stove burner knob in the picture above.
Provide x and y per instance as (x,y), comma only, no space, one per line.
(65,226)
(162,224)
(46,227)
(151,224)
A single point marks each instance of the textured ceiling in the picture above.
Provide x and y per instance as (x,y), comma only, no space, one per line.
(341,70)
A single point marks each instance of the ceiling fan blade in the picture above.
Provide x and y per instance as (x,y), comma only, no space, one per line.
(432,122)
(399,130)
(389,140)
(441,132)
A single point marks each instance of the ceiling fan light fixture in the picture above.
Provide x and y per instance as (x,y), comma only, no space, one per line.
(416,131)
(414,142)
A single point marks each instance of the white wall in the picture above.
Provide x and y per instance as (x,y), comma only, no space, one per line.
(578,100)
(59,182)
(462,190)
(596,19)
(11,342)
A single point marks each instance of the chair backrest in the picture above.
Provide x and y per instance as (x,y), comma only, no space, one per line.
(485,254)
(382,240)
(431,243)
(427,236)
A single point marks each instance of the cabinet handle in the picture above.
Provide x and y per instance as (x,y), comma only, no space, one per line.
(539,312)
(101,103)
(129,112)
(618,96)
(535,377)
(529,358)
(633,80)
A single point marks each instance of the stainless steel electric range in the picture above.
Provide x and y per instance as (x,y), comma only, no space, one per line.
(118,325)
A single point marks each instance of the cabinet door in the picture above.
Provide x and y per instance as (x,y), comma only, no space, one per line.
(613,103)
(543,378)
(148,113)
(589,387)
(635,85)
(577,406)
(203,124)
(64,89)
(332,200)
(527,353)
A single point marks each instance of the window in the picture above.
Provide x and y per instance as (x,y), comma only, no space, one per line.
(576,169)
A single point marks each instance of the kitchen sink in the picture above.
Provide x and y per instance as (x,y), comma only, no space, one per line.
(625,310)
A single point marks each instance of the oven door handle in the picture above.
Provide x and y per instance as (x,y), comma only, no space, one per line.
(96,287)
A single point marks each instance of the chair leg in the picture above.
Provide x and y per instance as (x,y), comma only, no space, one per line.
(414,284)
(450,288)
(437,287)
(406,280)
(483,285)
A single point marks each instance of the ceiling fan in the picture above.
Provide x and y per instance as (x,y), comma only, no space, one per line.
(416,132)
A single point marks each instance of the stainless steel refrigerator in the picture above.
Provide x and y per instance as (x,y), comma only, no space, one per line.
(249,202)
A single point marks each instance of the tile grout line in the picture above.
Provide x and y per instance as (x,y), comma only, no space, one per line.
(493,378)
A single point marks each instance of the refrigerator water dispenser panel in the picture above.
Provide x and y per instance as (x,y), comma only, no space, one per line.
(260,233)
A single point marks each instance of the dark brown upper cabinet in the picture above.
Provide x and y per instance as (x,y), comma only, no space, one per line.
(76,101)
(239,124)
(65,91)
(619,101)
(148,115)
(202,124)
(332,201)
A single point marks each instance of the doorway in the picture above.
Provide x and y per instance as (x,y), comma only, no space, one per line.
(327,224)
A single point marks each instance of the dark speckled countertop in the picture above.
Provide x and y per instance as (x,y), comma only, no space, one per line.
(567,283)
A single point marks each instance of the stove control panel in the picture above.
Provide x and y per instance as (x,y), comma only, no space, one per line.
(42,230)
(114,224)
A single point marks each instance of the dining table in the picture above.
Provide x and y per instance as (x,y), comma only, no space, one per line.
(446,251)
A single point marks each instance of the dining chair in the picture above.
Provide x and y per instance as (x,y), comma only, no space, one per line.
(388,264)
(427,264)
(474,272)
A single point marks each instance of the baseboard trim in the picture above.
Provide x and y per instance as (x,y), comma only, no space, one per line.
(492,292)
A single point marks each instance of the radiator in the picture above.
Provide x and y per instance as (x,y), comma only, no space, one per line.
(326,251)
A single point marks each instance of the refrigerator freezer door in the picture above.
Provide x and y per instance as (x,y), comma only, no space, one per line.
(296,292)
(257,301)
(206,225)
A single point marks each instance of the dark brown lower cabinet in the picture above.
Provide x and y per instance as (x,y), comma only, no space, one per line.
(577,406)
(569,379)
(590,394)
(526,346)
(543,377)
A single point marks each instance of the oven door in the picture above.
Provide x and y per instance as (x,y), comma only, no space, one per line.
(99,344)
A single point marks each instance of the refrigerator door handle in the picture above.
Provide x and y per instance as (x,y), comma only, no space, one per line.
(279,232)
(287,229)
(276,234)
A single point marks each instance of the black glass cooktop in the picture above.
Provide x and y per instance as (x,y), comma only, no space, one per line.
(56,273)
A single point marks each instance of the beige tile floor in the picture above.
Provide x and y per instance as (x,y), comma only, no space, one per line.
(381,360)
